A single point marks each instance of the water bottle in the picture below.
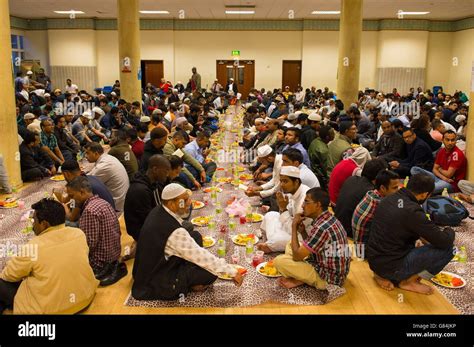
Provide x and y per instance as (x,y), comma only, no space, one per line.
(445,192)
(249,252)
(462,262)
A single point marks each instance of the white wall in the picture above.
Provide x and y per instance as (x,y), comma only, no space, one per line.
(439,59)
(463,50)
(72,47)
(402,48)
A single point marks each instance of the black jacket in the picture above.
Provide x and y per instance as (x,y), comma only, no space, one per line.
(141,198)
(34,158)
(148,151)
(390,147)
(395,230)
(425,136)
(418,154)
(308,134)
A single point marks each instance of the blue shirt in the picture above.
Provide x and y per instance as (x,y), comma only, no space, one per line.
(98,188)
(195,151)
(303,151)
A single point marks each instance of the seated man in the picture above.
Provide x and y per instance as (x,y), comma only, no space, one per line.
(386,183)
(277,225)
(109,171)
(5,186)
(267,157)
(158,138)
(101,226)
(390,146)
(49,143)
(35,163)
(170,260)
(293,157)
(467,190)
(292,139)
(450,165)
(49,268)
(120,149)
(342,142)
(136,140)
(318,154)
(392,252)
(196,149)
(80,126)
(177,165)
(68,147)
(322,244)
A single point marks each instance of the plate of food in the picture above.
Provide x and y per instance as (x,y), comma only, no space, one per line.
(239,268)
(9,203)
(246,177)
(197,205)
(208,241)
(57,178)
(224,179)
(257,217)
(267,269)
(449,280)
(242,239)
(240,169)
(220,169)
(201,221)
(212,189)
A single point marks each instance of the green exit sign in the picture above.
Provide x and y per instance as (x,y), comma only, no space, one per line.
(235,53)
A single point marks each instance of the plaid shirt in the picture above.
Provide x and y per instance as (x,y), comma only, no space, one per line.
(50,141)
(100,224)
(363,215)
(330,254)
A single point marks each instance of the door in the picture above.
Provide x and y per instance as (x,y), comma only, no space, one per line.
(242,71)
(152,72)
(291,74)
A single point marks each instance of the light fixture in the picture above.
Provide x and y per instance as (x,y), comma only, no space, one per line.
(69,12)
(239,12)
(326,12)
(155,12)
(405,13)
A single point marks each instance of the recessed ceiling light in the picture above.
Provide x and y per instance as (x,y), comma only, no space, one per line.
(325,12)
(239,12)
(412,13)
(155,12)
(69,12)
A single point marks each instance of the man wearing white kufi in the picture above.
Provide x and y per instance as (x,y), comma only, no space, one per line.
(277,225)
(170,260)
(267,157)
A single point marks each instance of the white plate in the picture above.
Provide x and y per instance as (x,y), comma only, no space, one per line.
(210,238)
(259,266)
(194,221)
(200,205)
(451,274)
(57,178)
(238,244)
(228,278)
(209,190)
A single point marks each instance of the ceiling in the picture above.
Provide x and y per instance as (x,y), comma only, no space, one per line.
(264,9)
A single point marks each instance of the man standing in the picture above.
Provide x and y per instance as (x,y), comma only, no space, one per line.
(195,81)
(231,87)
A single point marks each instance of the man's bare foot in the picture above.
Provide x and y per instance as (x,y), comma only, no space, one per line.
(289,282)
(465,197)
(263,247)
(131,253)
(383,283)
(199,288)
(413,284)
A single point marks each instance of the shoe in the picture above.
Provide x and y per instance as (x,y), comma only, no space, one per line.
(104,272)
(118,271)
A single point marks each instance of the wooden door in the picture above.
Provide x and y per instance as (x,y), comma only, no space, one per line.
(152,72)
(291,74)
(242,72)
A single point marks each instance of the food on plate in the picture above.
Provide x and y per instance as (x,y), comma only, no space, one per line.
(268,269)
(197,204)
(224,179)
(448,280)
(201,221)
(242,239)
(212,189)
(239,268)
(9,203)
(208,241)
(245,177)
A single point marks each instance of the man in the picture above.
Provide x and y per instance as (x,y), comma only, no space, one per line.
(79,128)
(170,260)
(94,128)
(272,126)
(120,149)
(347,134)
(144,193)
(32,123)
(68,147)
(71,88)
(386,183)
(109,171)
(35,164)
(390,145)
(49,268)
(49,143)
(219,102)
(158,138)
(309,132)
(174,146)
(101,226)
(418,153)
(195,80)
(392,252)
(292,139)
(44,80)
(196,149)
(318,260)
(136,140)
(231,87)
(318,153)
(216,86)
(450,165)
(293,157)
(354,189)
(267,158)
(277,225)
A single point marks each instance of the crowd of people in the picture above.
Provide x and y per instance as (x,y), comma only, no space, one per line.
(326,172)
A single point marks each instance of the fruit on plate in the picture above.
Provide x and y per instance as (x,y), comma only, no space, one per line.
(200,221)
(269,269)
(242,239)
(447,280)
(197,204)
(208,241)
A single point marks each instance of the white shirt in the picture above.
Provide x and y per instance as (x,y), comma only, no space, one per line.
(35,127)
(72,89)
(110,171)
(295,205)
(231,88)
(217,103)
(448,126)
(271,108)
(308,178)
(273,185)
(182,245)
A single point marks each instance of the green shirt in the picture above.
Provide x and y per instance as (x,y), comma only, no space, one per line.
(168,151)
(318,152)
(336,148)
(126,156)
(49,141)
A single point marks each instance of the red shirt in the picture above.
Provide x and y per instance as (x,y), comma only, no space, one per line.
(342,171)
(455,159)
(138,147)
(165,87)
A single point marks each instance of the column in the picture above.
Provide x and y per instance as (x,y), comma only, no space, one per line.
(350,34)
(128,21)
(8,126)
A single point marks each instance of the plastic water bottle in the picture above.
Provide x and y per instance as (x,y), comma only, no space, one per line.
(445,192)
(462,262)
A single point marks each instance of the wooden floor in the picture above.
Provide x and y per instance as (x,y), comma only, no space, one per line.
(363,297)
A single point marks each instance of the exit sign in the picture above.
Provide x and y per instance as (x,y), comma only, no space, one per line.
(235,53)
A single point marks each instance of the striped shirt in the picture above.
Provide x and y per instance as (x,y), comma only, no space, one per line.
(49,141)
(330,254)
(363,215)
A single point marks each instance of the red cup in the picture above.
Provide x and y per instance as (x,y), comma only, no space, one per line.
(242,219)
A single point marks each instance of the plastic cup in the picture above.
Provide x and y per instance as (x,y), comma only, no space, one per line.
(21,204)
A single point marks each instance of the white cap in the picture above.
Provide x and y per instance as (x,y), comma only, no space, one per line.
(297,113)
(29,116)
(259,120)
(47,95)
(157,111)
(212,114)
(29,72)
(292,116)
(88,115)
(98,110)
(290,171)
(172,191)
(314,116)
(113,93)
(145,119)
(264,151)
(460,118)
